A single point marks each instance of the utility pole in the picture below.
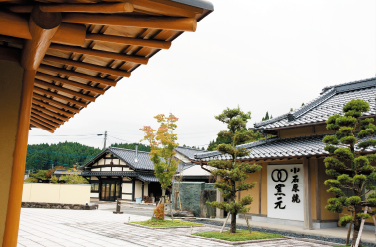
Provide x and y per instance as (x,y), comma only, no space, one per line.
(105,139)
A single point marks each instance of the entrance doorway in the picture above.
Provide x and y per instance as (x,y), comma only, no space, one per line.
(110,191)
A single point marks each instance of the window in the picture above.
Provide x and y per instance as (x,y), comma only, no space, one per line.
(94,187)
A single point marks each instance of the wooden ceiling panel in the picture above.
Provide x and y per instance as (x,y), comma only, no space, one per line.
(130,32)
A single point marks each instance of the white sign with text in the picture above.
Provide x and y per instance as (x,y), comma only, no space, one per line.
(285,192)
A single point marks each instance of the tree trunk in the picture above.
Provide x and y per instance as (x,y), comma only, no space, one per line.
(357,222)
(233,222)
(163,196)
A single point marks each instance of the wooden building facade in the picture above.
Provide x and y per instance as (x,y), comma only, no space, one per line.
(119,173)
(290,186)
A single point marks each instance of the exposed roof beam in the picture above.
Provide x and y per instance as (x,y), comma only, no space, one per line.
(168,23)
(89,8)
(53,108)
(87,66)
(65,90)
(98,53)
(43,27)
(14,25)
(79,75)
(33,115)
(67,107)
(33,122)
(71,83)
(39,113)
(48,112)
(129,41)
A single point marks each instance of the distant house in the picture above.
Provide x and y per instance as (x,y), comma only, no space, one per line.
(116,173)
(60,172)
(192,172)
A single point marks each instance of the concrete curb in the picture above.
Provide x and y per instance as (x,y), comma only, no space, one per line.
(156,228)
(238,242)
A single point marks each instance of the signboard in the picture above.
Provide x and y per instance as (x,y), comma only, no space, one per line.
(285,192)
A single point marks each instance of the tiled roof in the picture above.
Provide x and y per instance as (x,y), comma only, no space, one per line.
(146,177)
(278,147)
(128,156)
(330,102)
(189,152)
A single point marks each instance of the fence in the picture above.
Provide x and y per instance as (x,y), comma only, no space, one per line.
(56,193)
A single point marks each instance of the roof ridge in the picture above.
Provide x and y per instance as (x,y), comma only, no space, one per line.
(300,111)
(126,149)
(196,149)
(346,84)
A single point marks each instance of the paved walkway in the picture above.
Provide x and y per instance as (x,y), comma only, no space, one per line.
(96,228)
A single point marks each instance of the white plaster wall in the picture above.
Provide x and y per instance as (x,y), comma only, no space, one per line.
(126,197)
(123,163)
(106,169)
(95,169)
(127,188)
(116,169)
(101,162)
(126,169)
(138,189)
(94,195)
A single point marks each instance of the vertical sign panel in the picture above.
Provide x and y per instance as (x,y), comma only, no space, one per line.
(285,192)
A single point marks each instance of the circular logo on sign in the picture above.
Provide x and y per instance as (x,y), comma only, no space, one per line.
(279,175)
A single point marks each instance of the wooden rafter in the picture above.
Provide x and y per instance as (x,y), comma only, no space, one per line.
(59,96)
(36,123)
(89,8)
(65,90)
(92,67)
(103,54)
(71,83)
(79,75)
(48,112)
(159,44)
(52,108)
(64,106)
(168,23)
(39,113)
(33,115)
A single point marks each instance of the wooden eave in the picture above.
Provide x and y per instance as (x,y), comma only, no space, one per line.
(86,58)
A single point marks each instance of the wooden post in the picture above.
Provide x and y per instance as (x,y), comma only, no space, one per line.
(133,189)
(19,161)
(260,180)
(348,233)
(118,206)
(180,202)
(308,224)
(317,188)
(176,200)
(361,229)
(142,191)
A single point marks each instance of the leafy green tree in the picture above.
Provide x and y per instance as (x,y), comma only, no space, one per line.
(232,173)
(266,117)
(351,170)
(163,143)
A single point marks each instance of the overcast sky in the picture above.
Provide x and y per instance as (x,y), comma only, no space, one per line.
(265,55)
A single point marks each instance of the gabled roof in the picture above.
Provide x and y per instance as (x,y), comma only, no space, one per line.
(278,148)
(128,156)
(189,152)
(330,102)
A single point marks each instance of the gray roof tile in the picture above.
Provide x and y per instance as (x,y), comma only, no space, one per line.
(277,147)
(330,102)
(146,177)
(189,152)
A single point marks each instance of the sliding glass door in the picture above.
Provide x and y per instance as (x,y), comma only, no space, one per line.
(110,190)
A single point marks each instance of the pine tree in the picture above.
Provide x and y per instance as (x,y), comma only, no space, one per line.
(232,173)
(302,104)
(351,170)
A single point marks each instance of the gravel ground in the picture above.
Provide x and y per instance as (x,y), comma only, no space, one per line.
(287,234)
